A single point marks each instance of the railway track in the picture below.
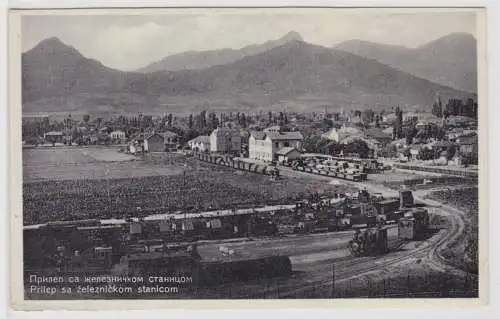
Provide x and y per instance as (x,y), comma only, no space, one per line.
(428,252)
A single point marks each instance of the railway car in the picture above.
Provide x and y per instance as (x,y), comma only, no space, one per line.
(387,206)
(414,224)
(369,241)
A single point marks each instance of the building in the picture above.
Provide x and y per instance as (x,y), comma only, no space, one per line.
(117,135)
(154,143)
(332,135)
(264,146)
(468,144)
(135,147)
(225,140)
(274,129)
(200,143)
(287,154)
(169,141)
(54,137)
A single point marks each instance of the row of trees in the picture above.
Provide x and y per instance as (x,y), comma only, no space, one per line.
(455,107)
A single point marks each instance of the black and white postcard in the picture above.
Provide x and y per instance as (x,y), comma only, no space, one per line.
(247,154)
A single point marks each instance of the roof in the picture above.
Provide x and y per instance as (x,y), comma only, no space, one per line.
(349,130)
(286,150)
(388,130)
(284,136)
(258,135)
(331,134)
(223,130)
(168,134)
(273,128)
(54,133)
(377,134)
(201,139)
(153,134)
(467,140)
(442,144)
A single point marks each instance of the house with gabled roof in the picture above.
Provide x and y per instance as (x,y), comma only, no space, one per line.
(265,145)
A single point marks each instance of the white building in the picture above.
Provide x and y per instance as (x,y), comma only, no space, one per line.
(117,135)
(264,146)
(225,140)
(200,143)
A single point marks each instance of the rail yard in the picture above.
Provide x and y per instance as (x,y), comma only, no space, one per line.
(278,229)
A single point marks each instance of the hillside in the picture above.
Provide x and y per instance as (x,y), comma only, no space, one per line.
(297,68)
(450,60)
(292,71)
(195,60)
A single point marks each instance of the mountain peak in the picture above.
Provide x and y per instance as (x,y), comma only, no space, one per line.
(54,45)
(292,35)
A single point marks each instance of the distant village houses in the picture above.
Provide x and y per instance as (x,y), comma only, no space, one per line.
(118,135)
(154,143)
(200,143)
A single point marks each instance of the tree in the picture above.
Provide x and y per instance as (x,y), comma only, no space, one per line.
(243,120)
(86,118)
(327,123)
(398,124)
(368,116)
(270,114)
(190,121)
(203,119)
(389,151)
(359,147)
(281,118)
(169,119)
(450,151)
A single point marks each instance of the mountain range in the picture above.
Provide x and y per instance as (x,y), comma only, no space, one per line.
(196,60)
(450,60)
(56,77)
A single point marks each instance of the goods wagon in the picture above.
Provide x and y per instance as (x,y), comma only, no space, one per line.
(414,224)
(369,241)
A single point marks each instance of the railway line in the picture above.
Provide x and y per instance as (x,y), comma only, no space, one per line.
(319,274)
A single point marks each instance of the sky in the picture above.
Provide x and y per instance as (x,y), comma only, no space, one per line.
(134,41)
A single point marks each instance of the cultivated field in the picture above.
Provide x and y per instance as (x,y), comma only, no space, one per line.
(66,190)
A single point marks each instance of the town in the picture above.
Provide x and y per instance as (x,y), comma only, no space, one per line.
(447,137)
(132,226)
